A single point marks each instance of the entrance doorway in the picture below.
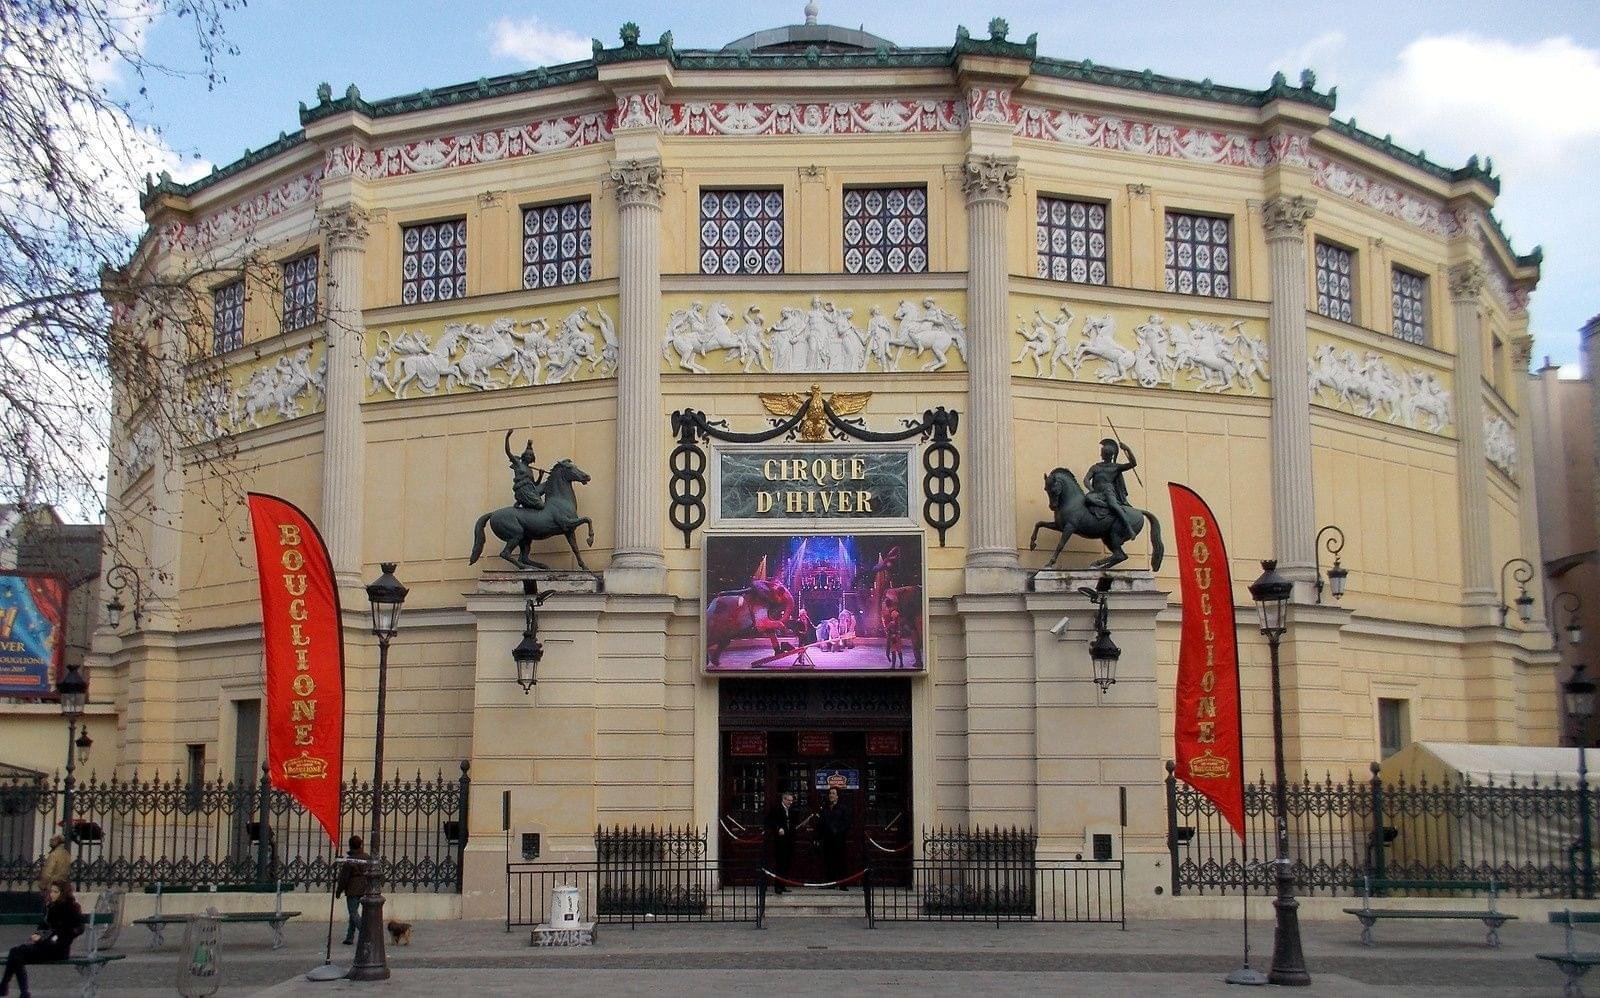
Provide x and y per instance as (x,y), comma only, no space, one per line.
(804,736)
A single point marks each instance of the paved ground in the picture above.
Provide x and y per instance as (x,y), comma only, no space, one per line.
(840,957)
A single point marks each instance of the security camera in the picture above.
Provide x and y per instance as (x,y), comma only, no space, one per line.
(1059,628)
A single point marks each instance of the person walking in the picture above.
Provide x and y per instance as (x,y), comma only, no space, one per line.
(780,830)
(352,883)
(57,865)
(50,942)
(835,837)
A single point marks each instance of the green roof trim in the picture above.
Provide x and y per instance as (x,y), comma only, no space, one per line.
(996,44)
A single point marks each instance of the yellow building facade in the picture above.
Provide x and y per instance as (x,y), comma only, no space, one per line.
(1302,322)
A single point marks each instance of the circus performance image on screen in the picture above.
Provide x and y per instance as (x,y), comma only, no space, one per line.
(815,603)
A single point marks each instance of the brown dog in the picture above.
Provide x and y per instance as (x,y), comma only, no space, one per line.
(400,932)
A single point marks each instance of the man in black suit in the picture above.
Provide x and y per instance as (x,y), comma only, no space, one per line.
(781,820)
(835,834)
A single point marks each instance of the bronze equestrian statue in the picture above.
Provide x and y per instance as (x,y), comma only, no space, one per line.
(1102,513)
(545,507)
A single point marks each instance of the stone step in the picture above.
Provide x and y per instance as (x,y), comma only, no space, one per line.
(809,903)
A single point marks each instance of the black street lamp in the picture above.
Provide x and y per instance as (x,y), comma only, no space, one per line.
(1103,651)
(387,596)
(1338,573)
(83,743)
(1578,692)
(528,652)
(1271,593)
(1574,629)
(118,578)
(73,690)
(1523,574)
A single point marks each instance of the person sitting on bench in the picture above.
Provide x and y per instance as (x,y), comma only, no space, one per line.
(51,942)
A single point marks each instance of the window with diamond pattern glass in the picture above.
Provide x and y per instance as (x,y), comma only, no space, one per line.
(557,244)
(1336,288)
(435,263)
(741,232)
(886,230)
(300,293)
(1071,238)
(1409,296)
(227,316)
(1199,255)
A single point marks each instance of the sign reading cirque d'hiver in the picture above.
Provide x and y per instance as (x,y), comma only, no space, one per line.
(303,640)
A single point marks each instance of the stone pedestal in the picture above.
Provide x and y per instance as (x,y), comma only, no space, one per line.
(547,935)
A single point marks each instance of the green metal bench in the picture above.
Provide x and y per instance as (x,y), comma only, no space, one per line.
(88,968)
(34,918)
(1572,963)
(157,924)
(1369,916)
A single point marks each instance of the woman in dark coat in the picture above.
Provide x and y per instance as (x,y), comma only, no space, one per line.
(835,837)
(52,941)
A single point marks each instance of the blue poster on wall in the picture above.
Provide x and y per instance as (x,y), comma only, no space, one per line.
(838,779)
(33,610)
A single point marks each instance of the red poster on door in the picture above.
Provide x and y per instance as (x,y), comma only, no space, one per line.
(814,743)
(1209,747)
(302,636)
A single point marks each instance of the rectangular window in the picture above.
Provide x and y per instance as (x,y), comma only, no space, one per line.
(435,264)
(227,317)
(196,775)
(1071,237)
(1336,282)
(1393,726)
(300,292)
(886,230)
(1409,294)
(1199,255)
(741,232)
(557,244)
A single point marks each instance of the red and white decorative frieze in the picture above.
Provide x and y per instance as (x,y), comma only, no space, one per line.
(990,106)
(534,138)
(1149,138)
(889,117)
(243,216)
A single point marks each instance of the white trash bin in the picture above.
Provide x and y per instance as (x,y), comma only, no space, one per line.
(566,908)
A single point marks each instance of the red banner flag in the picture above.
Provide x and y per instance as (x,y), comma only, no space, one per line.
(302,633)
(1206,727)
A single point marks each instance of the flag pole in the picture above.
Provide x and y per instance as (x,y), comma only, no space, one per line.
(1246,975)
(329,971)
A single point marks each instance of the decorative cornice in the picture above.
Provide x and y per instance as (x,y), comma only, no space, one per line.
(1286,216)
(638,182)
(1466,280)
(988,178)
(995,46)
(344,227)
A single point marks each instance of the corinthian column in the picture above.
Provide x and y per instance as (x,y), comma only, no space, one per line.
(344,441)
(1477,571)
(637,565)
(1294,528)
(992,564)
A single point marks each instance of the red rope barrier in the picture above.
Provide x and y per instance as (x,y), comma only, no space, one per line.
(883,848)
(841,882)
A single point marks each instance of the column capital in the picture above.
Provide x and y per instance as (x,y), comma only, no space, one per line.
(344,227)
(988,178)
(638,182)
(1286,215)
(1466,281)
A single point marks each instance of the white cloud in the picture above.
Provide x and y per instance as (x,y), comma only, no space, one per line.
(1531,106)
(536,43)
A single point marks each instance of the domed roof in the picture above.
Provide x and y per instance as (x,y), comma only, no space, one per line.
(799,37)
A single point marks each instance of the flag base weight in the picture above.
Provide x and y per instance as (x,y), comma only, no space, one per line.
(1248,976)
(326,972)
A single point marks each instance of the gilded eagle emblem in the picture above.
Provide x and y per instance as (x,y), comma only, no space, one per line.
(814,424)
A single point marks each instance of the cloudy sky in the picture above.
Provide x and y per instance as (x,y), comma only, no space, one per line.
(1516,81)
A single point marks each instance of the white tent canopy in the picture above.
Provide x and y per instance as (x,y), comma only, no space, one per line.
(1439,762)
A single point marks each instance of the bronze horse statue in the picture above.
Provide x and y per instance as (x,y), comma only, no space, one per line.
(520,527)
(1075,516)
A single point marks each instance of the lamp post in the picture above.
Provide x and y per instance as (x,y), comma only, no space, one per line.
(118,578)
(529,651)
(74,692)
(1579,695)
(1338,573)
(1523,574)
(1271,592)
(386,595)
(1574,629)
(1103,651)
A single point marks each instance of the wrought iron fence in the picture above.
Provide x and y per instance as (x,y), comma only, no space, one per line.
(1520,834)
(137,832)
(639,875)
(994,874)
